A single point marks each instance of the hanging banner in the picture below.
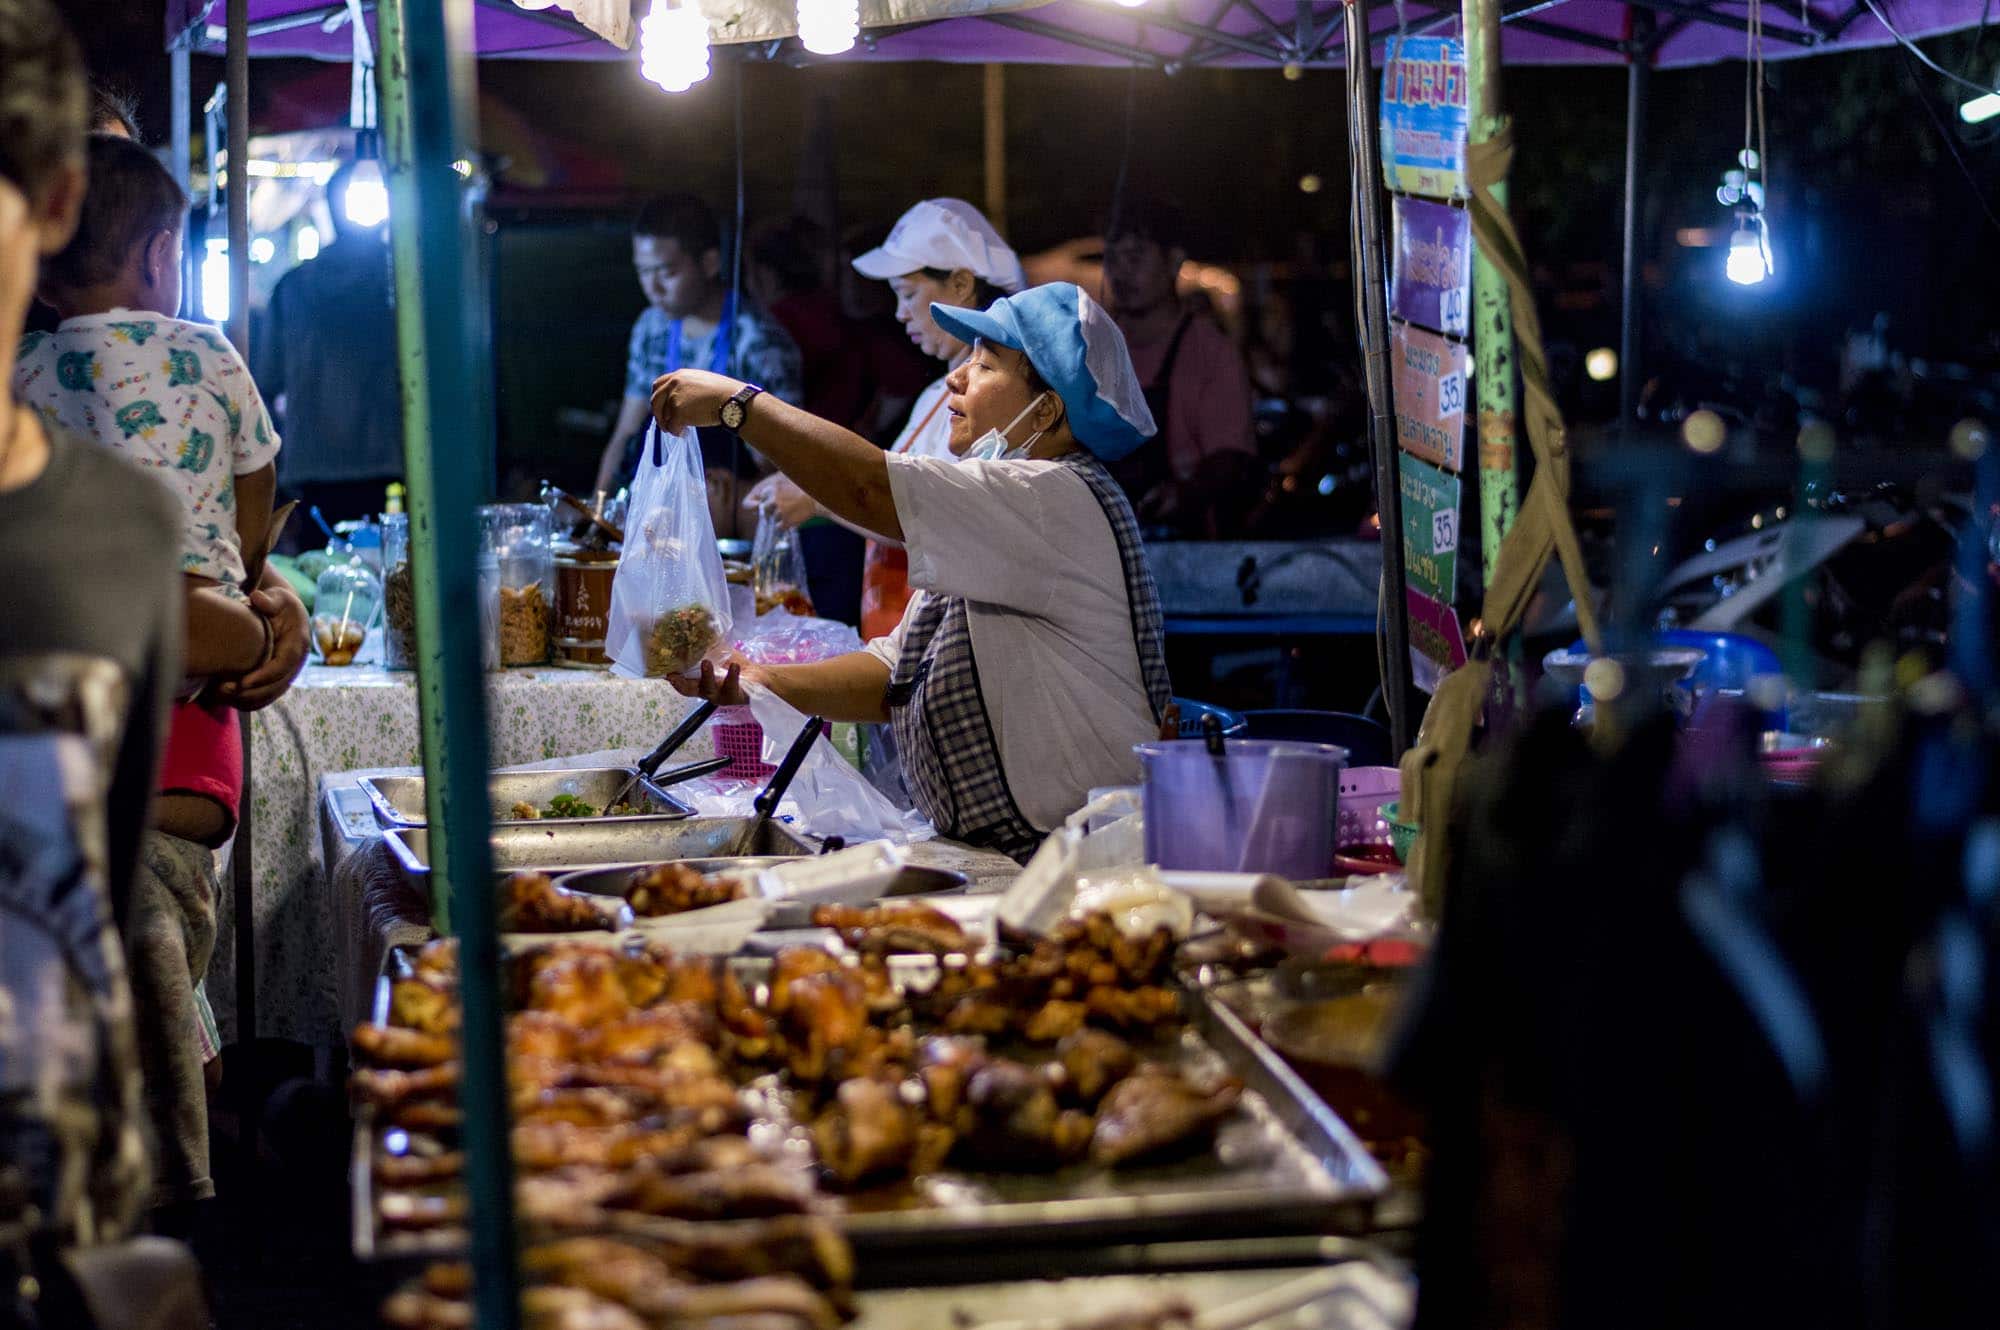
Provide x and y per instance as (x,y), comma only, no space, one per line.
(1429,376)
(1430,528)
(1437,647)
(1425,117)
(1432,272)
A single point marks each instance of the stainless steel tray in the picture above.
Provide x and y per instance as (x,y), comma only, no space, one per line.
(399,800)
(912,880)
(1352,1287)
(561,847)
(1284,1164)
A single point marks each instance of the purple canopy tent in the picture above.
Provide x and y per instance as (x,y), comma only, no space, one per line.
(1226,33)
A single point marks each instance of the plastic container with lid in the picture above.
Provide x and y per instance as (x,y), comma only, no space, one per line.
(399,595)
(516,537)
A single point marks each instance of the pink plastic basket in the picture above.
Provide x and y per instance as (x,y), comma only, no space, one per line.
(743,744)
(1363,791)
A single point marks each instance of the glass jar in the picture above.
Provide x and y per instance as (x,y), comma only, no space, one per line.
(399,595)
(583,604)
(344,606)
(516,537)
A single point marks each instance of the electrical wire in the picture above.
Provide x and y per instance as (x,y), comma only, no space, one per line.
(1915,50)
(1951,146)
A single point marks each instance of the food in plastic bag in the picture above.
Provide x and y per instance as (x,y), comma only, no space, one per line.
(669,602)
(778,568)
(782,638)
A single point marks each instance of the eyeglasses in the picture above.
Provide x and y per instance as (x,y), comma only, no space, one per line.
(649,270)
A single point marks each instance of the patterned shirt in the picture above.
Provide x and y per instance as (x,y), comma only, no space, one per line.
(765,354)
(172,396)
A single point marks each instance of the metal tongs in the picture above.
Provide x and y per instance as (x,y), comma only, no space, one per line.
(774,789)
(650,763)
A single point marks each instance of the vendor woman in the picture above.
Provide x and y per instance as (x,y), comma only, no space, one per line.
(1032,661)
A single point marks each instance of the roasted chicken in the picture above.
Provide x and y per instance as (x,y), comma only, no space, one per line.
(533,903)
(1155,1109)
(896,926)
(677,888)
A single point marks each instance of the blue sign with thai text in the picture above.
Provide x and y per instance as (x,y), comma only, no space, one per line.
(1426,117)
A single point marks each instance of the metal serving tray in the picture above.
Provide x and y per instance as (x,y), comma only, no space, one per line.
(556,848)
(1285,1163)
(399,800)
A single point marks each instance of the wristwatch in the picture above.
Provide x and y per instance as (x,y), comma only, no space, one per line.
(735,408)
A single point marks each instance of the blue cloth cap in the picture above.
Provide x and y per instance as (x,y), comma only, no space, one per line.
(1078,351)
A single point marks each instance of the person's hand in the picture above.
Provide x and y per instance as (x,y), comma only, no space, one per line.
(793,505)
(691,398)
(290,638)
(726,689)
(763,494)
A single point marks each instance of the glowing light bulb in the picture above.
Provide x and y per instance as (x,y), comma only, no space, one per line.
(1749,259)
(367,194)
(1131,4)
(1980,109)
(673,46)
(263,249)
(305,245)
(1601,365)
(828,27)
(215,281)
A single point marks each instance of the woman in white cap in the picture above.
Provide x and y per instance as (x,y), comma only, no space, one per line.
(940,252)
(1033,661)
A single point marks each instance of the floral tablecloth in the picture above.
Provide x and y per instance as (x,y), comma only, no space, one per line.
(363,717)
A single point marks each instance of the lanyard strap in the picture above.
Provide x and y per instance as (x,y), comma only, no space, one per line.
(719,350)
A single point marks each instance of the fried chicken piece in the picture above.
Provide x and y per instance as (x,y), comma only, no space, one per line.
(568,1196)
(1052,1021)
(979,1013)
(414,1309)
(791,965)
(582,987)
(758,1191)
(425,1115)
(677,888)
(587,1107)
(379,1086)
(825,1020)
(944,1065)
(895,926)
(1134,1008)
(1156,1108)
(423,1004)
(541,1034)
(886,1003)
(748,1028)
(868,1132)
(644,1282)
(544,1307)
(411,1170)
(533,903)
(805,1245)
(1016,1122)
(392,1046)
(1092,1062)
(542,1146)
(653,1035)
(691,979)
(437,960)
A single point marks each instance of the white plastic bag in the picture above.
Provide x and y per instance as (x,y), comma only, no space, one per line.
(779,638)
(832,797)
(669,602)
(778,565)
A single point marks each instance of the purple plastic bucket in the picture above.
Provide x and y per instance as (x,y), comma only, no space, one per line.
(1262,806)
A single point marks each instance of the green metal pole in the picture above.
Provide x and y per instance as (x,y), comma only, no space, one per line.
(1492,317)
(425,64)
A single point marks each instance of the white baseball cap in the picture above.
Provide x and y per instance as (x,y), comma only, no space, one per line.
(949,234)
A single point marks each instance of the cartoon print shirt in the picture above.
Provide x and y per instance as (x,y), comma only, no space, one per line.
(173,397)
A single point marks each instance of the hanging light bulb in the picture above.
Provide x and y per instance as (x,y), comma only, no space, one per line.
(367,203)
(673,46)
(1749,261)
(828,27)
(1131,4)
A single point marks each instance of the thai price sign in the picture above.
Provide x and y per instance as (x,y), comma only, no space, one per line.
(1430,527)
(1437,647)
(1425,117)
(1429,377)
(1432,273)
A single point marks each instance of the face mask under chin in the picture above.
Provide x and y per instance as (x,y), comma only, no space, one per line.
(992,446)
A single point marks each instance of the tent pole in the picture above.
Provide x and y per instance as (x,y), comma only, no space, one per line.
(996,146)
(1492,317)
(1638,88)
(427,99)
(181,131)
(1370,276)
(236,74)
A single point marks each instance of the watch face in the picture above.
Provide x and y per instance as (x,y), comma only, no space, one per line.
(732,414)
